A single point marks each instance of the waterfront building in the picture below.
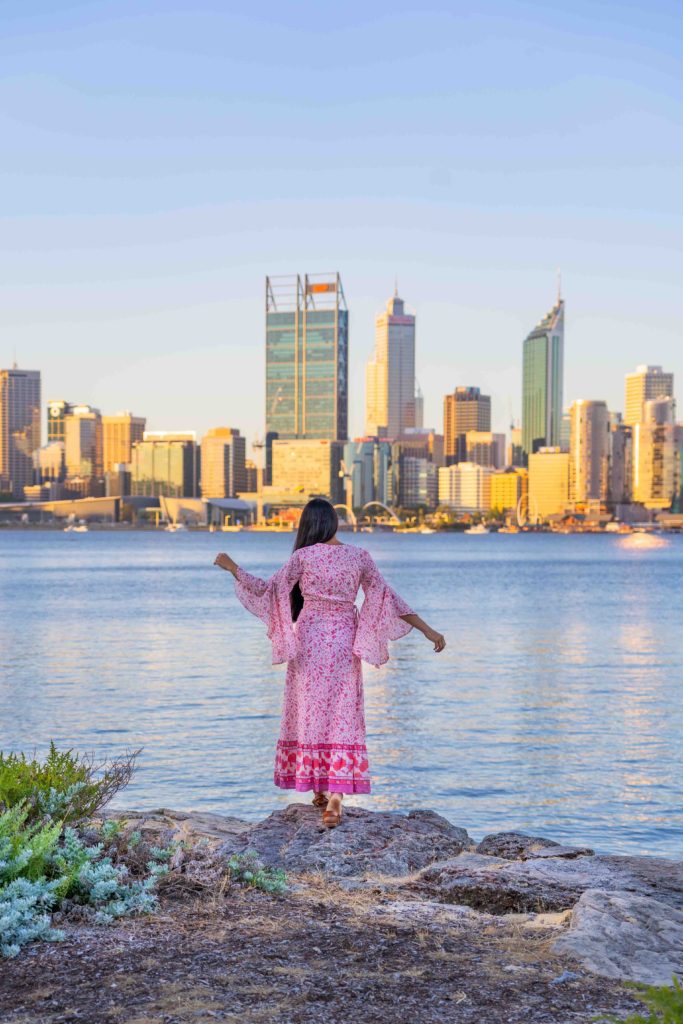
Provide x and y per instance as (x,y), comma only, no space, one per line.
(656,455)
(621,463)
(423,443)
(165,463)
(515,451)
(542,382)
(589,448)
(485,448)
(548,482)
(393,402)
(49,463)
(507,487)
(415,482)
(465,487)
(646,383)
(223,463)
(367,461)
(307,344)
(119,434)
(250,476)
(57,411)
(464,410)
(83,442)
(308,468)
(19,428)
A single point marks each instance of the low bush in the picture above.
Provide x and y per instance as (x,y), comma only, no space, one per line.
(249,870)
(664,1003)
(65,786)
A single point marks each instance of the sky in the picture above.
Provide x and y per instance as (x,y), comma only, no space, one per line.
(158,159)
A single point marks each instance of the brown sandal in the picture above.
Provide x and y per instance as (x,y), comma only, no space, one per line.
(332,818)
(320,800)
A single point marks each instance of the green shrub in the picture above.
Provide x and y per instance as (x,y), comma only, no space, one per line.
(665,1005)
(25,850)
(65,786)
(248,869)
(25,914)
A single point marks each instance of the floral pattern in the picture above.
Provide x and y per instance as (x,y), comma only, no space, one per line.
(322,731)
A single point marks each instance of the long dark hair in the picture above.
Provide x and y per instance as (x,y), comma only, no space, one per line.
(319,523)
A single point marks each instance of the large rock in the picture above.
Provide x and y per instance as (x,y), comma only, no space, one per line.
(623,935)
(519,846)
(379,843)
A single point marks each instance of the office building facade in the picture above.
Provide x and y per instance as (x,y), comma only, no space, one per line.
(19,428)
(393,402)
(507,487)
(464,410)
(465,488)
(656,456)
(307,468)
(223,462)
(57,411)
(589,449)
(485,448)
(646,383)
(548,482)
(165,463)
(307,349)
(543,382)
(83,442)
(119,433)
(367,461)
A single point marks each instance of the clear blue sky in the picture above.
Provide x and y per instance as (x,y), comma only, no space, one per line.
(158,159)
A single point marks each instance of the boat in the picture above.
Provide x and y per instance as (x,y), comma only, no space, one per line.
(426,529)
(478,529)
(174,527)
(640,541)
(81,528)
(231,527)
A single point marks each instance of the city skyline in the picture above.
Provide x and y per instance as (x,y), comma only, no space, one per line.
(140,218)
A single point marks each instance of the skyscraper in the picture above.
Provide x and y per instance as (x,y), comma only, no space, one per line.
(57,411)
(307,343)
(589,449)
(223,463)
(83,440)
(19,428)
(466,409)
(542,382)
(119,434)
(647,382)
(548,482)
(393,402)
(165,463)
(656,456)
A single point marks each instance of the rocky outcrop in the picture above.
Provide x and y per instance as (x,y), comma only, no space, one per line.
(616,916)
(370,843)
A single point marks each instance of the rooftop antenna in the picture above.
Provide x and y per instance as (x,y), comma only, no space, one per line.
(396,286)
(559,285)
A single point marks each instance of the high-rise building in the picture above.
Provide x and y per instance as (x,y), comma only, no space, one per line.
(19,428)
(466,409)
(465,487)
(485,448)
(515,451)
(548,482)
(507,487)
(307,346)
(165,463)
(119,434)
(621,463)
(656,456)
(48,463)
(542,382)
(393,402)
(368,462)
(415,482)
(224,472)
(647,382)
(83,442)
(423,443)
(589,449)
(308,468)
(57,411)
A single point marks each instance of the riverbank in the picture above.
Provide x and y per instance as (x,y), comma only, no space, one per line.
(393,918)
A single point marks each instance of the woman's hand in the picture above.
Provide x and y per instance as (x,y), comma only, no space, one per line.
(435,638)
(224,561)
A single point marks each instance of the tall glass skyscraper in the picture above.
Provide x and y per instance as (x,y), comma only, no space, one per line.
(307,345)
(19,428)
(393,403)
(542,382)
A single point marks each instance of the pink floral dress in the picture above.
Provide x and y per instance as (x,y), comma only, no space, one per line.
(322,733)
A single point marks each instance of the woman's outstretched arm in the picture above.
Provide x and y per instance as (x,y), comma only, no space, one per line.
(432,635)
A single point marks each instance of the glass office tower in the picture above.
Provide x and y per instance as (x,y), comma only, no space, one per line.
(542,382)
(307,343)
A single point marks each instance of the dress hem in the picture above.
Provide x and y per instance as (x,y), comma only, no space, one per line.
(321,785)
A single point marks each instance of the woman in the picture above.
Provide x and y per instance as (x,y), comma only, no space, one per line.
(309,609)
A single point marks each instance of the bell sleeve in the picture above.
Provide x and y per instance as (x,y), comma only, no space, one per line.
(379,619)
(269,601)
